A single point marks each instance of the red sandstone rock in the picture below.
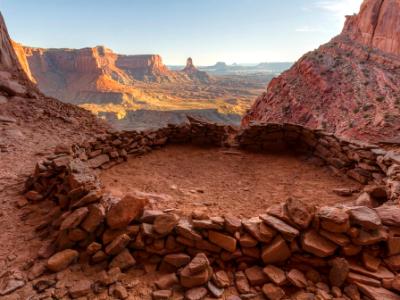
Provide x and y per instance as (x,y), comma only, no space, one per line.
(316,244)
(165,223)
(117,245)
(95,216)
(125,211)
(62,260)
(221,279)
(247,240)
(167,281)
(196,293)
(189,280)
(177,260)
(337,238)
(275,274)
(364,216)
(162,295)
(75,218)
(123,260)
(277,251)
(334,219)
(370,262)
(389,215)
(297,278)
(358,278)
(286,230)
(241,282)
(299,212)
(273,292)
(256,276)
(184,228)
(198,264)
(222,240)
(93,248)
(80,288)
(338,272)
(259,230)
(377,293)
(380,274)
(232,223)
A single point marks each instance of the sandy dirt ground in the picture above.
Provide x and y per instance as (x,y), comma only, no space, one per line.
(187,178)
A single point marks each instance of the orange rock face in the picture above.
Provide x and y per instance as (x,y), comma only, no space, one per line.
(95,75)
(348,86)
(377,25)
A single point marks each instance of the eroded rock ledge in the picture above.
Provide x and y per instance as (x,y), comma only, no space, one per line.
(292,251)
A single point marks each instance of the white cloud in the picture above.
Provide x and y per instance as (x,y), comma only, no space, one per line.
(309,29)
(336,11)
(339,8)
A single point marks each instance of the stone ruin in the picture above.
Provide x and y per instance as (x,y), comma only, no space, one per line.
(291,252)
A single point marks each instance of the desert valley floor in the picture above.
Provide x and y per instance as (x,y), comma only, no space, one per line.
(217,181)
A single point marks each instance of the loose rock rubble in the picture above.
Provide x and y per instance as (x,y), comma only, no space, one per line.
(292,251)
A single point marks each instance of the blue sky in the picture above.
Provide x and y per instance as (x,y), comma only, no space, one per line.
(242,31)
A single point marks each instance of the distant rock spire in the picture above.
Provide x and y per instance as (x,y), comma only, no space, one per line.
(189,62)
(190,66)
(193,73)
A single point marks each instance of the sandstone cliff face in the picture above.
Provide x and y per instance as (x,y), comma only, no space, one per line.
(95,75)
(13,80)
(146,68)
(348,86)
(377,25)
(71,74)
(8,59)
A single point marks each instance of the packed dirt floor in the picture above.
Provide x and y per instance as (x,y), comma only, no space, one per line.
(188,178)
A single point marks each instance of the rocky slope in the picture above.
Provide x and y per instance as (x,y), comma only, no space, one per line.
(31,125)
(348,86)
(30,121)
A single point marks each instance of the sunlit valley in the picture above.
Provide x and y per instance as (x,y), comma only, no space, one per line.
(139,91)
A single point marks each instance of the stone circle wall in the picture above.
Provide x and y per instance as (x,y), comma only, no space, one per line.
(292,244)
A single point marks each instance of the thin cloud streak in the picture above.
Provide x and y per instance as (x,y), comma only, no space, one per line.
(309,29)
(339,8)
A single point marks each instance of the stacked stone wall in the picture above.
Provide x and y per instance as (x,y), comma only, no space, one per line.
(291,245)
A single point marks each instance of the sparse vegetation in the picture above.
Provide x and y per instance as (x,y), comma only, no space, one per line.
(367,106)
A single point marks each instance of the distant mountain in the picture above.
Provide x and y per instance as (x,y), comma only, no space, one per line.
(221,68)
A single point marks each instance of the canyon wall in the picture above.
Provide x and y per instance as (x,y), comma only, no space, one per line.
(377,25)
(13,79)
(95,75)
(348,86)
(146,68)
(71,75)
